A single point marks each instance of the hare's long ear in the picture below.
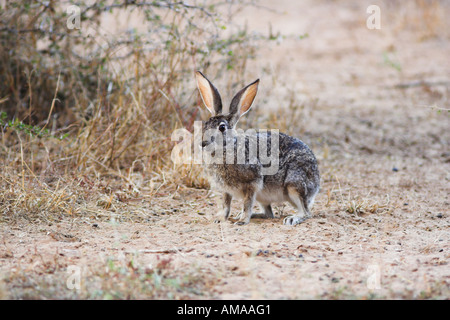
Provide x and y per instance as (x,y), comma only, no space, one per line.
(242,101)
(210,96)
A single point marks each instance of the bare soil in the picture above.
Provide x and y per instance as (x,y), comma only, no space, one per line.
(371,104)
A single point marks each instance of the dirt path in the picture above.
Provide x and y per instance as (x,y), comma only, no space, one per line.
(400,254)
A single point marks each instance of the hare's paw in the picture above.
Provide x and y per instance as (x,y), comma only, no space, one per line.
(241,223)
(293,220)
(244,218)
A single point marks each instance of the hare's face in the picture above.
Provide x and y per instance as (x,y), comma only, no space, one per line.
(215,129)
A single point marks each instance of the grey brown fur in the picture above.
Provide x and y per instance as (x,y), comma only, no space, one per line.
(296,181)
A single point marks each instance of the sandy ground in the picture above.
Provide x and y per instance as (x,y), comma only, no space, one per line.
(370,103)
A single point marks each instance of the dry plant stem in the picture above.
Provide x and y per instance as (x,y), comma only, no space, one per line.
(53,103)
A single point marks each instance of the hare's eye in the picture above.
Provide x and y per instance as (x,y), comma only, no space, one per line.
(222,127)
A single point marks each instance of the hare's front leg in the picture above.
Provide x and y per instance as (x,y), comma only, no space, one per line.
(226,207)
(249,198)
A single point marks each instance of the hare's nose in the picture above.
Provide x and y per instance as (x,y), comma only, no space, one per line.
(204,144)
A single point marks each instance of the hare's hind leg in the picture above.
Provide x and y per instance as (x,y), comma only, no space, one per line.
(296,200)
(267,212)
(226,207)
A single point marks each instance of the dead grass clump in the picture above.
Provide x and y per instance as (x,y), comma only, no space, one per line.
(191,176)
(25,198)
(104,105)
(48,199)
(359,206)
(363,206)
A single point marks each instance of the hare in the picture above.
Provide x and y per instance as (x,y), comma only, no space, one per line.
(295,180)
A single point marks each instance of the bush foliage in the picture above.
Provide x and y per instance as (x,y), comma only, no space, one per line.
(115,95)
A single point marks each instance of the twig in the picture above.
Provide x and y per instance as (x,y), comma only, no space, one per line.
(53,104)
(175,250)
(420,83)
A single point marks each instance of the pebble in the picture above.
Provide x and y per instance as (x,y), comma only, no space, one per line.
(334,280)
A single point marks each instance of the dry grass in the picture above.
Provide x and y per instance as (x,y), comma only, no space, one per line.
(361,206)
(80,124)
(122,278)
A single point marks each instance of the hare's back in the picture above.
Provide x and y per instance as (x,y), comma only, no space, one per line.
(295,158)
